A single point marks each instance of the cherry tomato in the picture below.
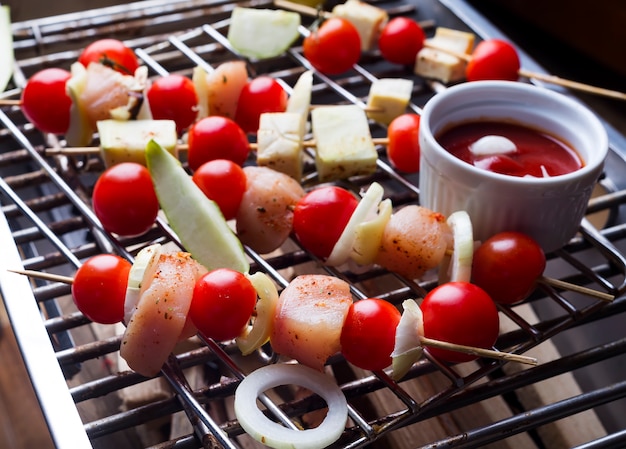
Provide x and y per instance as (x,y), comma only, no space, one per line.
(493,59)
(112,53)
(369,332)
(124,199)
(216,137)
(259,95)
(403,149)
(461,313)
(400,40)
(99,288)
(173,97)
(507,266)
(222,303)
(334,47)
(224,182)
(320,217)
(45,101)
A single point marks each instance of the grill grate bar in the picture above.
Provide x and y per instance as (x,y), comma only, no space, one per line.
(531,419)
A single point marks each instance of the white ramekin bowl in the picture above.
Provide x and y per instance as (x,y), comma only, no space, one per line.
(548,209)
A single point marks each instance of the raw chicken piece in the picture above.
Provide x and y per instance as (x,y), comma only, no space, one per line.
(415,240)
(160,318)
(310,314)
(265,215)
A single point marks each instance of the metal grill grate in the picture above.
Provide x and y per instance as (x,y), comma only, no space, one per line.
(47,225)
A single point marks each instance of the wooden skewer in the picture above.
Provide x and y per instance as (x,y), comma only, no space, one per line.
(313,106)
(72,151)
(488,353)
(4,102)
(574,85)
(569,286)
(45,276)
(464,56)
(302,9)
(80,151)
(481,352)
(576,288)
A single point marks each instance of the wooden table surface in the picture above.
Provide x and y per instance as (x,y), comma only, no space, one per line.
(22,425)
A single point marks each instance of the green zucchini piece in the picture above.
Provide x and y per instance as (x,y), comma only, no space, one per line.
(196,219)
(125,140)
(262,33)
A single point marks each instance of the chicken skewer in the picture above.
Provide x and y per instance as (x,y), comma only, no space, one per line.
(551,79)
(425,341)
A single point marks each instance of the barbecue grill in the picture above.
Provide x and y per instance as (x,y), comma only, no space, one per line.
(47,225)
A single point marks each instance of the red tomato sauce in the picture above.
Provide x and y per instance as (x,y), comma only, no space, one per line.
(537,153)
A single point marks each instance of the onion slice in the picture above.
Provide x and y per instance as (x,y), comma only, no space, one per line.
(458,265)
(275,435)
(408,347)
(367,206)
(142,269)
(369,234)
(257,334)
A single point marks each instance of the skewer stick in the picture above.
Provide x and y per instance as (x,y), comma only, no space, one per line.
(45,276)
(72,151)
(4,102)
(576,288)
(564,285)
(488,353)
(574,85)
(81,151)
(464,56)
(302,9)
(481,352)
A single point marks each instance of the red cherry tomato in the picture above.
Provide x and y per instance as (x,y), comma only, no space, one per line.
(112,53)
(493,59)
(173,97)
(224,182)
(45,101)
(259,95)
(216,137)
(507,266)
(461,313)
(222,303)
(320,217)
(124,199)
(334,47)
(369,332)
(99,288)
(400,40)
(403,149)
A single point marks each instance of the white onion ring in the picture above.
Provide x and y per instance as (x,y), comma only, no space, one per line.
(458,266)
(141,271)
(366,207)
(275,435)
(408,346)
(257,334)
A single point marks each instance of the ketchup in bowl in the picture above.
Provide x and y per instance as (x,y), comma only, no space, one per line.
(509,148)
